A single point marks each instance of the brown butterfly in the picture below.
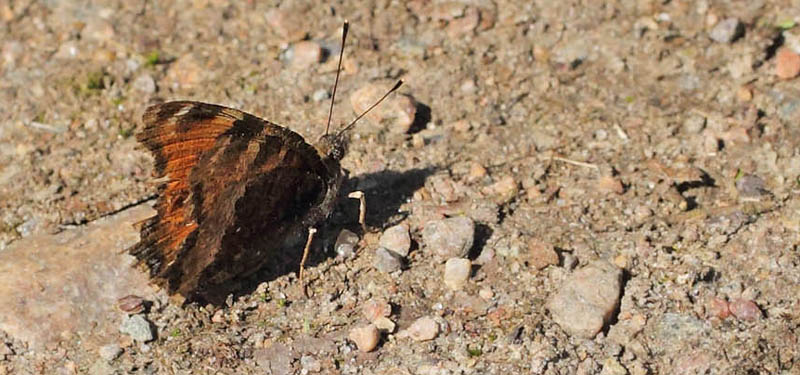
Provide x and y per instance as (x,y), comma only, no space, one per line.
(236,187)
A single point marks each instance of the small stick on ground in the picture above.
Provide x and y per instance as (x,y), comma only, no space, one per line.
(578,163)
(362,208)
(311,232)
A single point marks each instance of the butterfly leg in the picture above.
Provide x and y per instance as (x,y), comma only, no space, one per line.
(311,232)
(362,208)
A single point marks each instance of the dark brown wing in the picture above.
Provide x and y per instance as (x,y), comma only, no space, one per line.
(235,182)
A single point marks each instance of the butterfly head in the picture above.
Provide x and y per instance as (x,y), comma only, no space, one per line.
(332,146)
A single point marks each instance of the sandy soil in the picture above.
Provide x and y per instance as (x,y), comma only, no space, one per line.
(616,130)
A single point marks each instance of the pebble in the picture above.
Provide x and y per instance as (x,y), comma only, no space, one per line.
(423,329)
(384,324)
(397,112)
(449,238)
(476,172)
(612,367)
(144,84)
(750,186)
(456,273)
(396,239)
(608,185)
(288,24)
(744,94)
(586,300)
(718,308)
(387,261)
(463,25)
(503,190)
(67,50)
(131,304)
(376,308)
(542,254)
(787,64)
(366,337)
(109,352)
(727,31)
(137,327)
(98,29)
(310,364)
(305,54)
(320,95)
(744,309)
(346,242)
(185,72)
(486,293)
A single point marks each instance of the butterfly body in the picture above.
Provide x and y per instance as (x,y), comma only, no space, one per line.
(236,187)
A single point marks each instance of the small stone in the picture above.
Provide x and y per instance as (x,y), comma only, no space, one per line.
(98,29)
(396,239)
(449,238)
(376,308)
(397,113)
(144,84)
(612,367)
(476,172)
(463,25)
(503,190)
(456,273)
(287,23)
(542,254)
(320,95)
(109,352)
(586,300)
(185,72)
(609,185)
(461,126)
(751,186)
(366,337)
(67,50)
(310,364)
(131,304)
(718,308)
(787,64)
(423,329)
(137,327)
(384,324)
(486,293)
(305,54)
(387,261)
(218,317)
(468,86)
(744,94)
(346,242)
(744,309)
(727,31)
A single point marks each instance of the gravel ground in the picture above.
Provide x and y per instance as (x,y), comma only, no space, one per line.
(621,176)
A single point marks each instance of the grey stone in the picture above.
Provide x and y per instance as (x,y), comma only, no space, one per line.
(137,327)
(387,261)
(584,304)
(396,239)
(726,31)
(449,238)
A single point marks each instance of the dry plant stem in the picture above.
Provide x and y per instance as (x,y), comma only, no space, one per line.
(311,232)
(362,208)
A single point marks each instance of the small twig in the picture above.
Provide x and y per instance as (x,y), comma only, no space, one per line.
(578,163)
(46,127)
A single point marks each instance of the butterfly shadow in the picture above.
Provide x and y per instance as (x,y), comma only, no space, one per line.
(385,192)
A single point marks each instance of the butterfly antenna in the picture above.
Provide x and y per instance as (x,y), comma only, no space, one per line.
(345,27)
(393,89)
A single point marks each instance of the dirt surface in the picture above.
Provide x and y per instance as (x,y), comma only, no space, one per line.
(637,132)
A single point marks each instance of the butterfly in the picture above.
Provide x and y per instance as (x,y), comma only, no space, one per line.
(236,187)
